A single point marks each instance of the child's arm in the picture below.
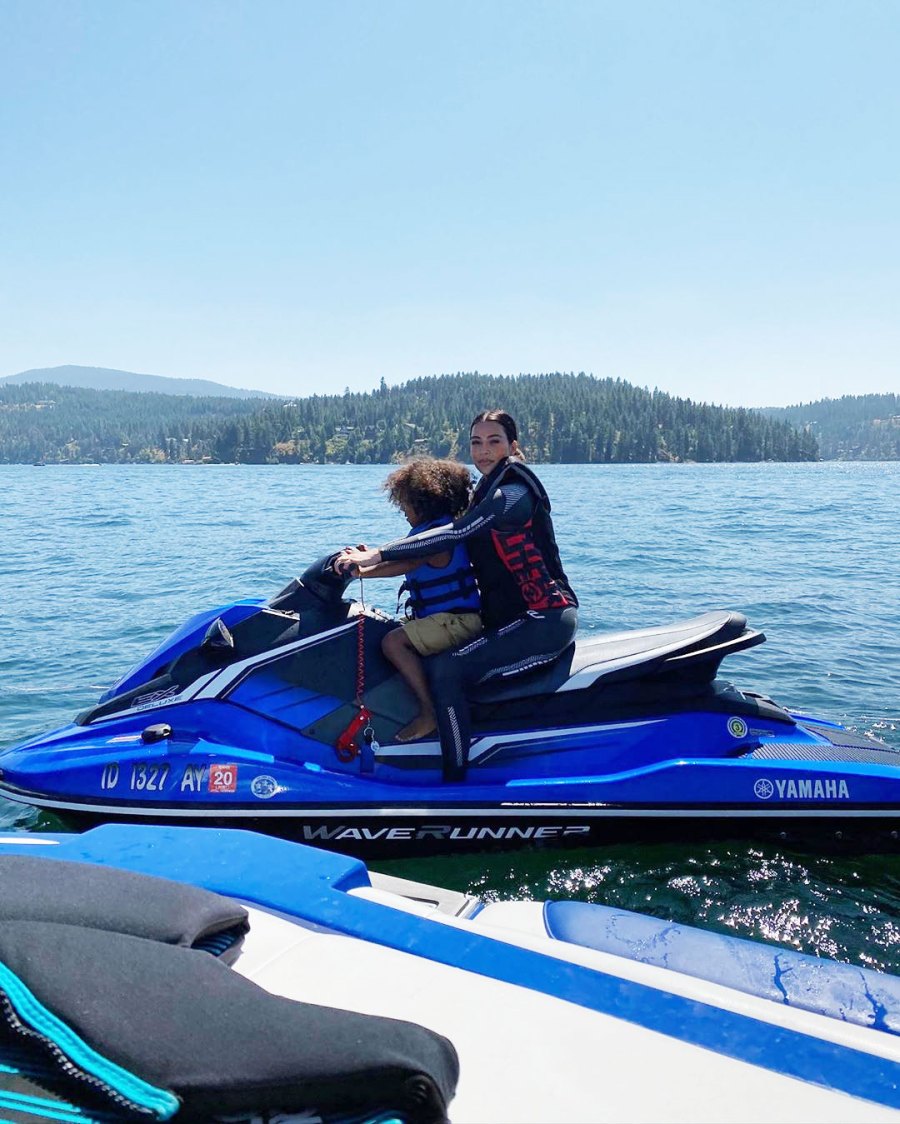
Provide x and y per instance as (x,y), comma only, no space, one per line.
(393,569)
(384,570)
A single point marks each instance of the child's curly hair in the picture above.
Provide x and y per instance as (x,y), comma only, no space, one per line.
(433,488)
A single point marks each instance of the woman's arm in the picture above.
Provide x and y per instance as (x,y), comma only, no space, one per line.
(507,506)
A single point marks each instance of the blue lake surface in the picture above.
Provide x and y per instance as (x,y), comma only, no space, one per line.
(99,563)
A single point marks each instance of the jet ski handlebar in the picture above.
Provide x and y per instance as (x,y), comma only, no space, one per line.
(319,581)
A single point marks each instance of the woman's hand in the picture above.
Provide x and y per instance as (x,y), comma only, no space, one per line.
(356,556)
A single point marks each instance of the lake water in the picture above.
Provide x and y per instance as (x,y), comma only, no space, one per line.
(98,564)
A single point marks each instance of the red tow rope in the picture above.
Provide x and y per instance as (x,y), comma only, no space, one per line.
(347,745)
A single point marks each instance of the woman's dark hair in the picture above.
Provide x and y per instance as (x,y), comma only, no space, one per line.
(434,489)
(506,421)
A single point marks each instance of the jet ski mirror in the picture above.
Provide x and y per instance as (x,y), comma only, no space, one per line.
(218,637)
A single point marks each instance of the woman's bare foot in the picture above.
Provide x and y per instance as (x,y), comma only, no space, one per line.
(420,726)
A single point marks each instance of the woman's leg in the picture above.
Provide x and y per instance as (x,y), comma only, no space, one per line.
(523,644)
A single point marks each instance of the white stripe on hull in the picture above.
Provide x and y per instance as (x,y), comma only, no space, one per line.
(503,811)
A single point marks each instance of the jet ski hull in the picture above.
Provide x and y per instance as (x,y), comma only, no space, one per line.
(791,790)
(448,829)
(238,719)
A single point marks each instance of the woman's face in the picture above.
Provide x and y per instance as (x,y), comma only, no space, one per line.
(489,445)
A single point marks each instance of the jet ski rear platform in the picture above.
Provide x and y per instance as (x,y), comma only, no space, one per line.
(241,716)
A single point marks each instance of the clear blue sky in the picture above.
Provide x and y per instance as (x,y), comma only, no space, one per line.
(302,196)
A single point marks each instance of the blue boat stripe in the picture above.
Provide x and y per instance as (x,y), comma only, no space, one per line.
(742,1037)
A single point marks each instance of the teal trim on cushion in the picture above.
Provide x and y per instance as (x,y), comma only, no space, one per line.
(19,1062)
(31,1011)
(42,1109)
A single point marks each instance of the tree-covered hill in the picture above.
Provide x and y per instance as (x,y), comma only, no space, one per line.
(69,425)
(855,427)
(562,418)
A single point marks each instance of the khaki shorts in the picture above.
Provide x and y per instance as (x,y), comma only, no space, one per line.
(440,631)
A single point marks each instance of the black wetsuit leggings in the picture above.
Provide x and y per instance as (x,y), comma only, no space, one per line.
(525,643)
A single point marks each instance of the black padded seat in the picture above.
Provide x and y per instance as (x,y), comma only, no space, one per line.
(629,655)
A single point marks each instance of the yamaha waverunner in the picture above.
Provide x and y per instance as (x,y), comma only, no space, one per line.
(284,713)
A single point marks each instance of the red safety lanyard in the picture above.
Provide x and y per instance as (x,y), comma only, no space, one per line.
(348,743)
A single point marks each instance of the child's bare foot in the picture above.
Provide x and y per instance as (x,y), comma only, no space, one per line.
(420,726)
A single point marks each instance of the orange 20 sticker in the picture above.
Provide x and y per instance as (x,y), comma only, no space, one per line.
(222,778)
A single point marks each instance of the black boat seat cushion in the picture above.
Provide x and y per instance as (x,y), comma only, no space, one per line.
(627,655)
(155,1031)
(99,897)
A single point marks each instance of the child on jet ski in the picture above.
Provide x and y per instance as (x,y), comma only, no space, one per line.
(528,606)
(443,597)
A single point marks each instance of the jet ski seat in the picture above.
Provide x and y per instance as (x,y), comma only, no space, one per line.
(699,643)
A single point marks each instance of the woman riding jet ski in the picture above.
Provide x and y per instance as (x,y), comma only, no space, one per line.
(285,713)
(528,607)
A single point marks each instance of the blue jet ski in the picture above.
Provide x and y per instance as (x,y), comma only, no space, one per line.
(283,714)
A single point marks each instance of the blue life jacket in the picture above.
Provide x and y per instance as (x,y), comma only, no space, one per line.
(444,589)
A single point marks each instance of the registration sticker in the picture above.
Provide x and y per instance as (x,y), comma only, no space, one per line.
(222,778)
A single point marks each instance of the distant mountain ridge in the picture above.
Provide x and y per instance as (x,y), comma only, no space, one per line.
(108,378)
(854,427)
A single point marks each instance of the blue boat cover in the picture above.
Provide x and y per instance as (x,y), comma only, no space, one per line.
(842,991)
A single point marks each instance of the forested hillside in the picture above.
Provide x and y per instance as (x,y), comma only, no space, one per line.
(63,424)
(861,427)
(563,418)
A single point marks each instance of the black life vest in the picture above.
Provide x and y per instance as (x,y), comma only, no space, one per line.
(518,569)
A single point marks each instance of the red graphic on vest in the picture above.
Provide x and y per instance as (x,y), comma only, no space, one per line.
(520,555)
